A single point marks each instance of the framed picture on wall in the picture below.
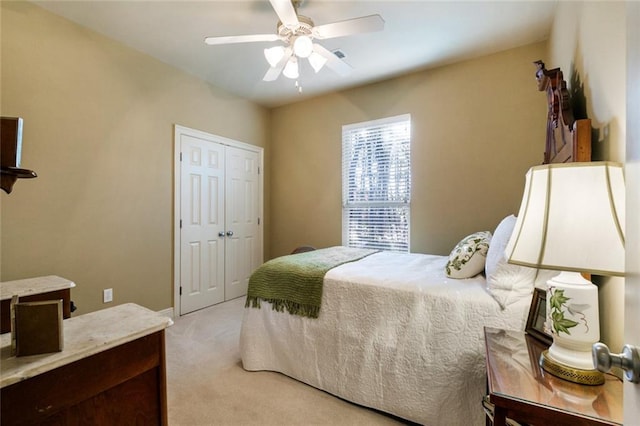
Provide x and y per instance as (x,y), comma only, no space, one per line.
(538,317)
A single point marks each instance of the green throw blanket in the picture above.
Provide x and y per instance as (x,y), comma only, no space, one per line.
(294,282)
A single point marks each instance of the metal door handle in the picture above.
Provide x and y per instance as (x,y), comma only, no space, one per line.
(628,360)
(221,234)
(229,233)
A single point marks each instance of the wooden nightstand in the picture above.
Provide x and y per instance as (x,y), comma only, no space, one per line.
(519,390)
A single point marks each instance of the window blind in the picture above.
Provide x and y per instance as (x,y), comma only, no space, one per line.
(376,183)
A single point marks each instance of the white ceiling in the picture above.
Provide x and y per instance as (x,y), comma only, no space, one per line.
(418,34)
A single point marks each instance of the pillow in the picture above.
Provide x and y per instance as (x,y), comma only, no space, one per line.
(507,283)
(468,256)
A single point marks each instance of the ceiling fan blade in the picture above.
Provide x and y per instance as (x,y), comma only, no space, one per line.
(333,62)
(274,72)
(365,24)
(286,12)
(241,39)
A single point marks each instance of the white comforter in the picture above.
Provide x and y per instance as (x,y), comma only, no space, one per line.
(394,333)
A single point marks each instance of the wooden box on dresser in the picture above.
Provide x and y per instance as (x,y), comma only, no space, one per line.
(111,371)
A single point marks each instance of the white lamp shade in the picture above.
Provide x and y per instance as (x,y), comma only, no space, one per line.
(571,219)
(274,55)
(291,69)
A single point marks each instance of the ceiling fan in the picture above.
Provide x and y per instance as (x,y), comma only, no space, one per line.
(298,34)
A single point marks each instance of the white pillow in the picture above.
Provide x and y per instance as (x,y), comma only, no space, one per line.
(468,256)
(507,283)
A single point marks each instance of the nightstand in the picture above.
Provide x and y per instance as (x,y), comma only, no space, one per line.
(519,390)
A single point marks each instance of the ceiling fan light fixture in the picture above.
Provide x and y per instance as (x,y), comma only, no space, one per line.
(291,69)
(274,55)
(317,61)
(303,46)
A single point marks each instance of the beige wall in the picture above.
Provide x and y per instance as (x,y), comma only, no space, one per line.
(477,127)
(588,39)
(98,130)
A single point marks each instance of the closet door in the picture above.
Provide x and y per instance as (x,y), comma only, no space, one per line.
(242,246)
(202,236)
(217,233)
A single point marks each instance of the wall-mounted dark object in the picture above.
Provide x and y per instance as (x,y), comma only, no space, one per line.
(10,152)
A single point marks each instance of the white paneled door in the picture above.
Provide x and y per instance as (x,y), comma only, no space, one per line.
(202,216)
(242,254)
(219,205)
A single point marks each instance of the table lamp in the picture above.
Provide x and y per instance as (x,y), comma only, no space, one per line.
(571,220)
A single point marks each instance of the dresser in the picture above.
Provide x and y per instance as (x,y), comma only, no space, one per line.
(49,287)
(111,371)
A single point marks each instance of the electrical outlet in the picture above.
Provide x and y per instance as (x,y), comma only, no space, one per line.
(107,295)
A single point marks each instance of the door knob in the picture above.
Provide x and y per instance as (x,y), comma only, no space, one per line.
(221,234)
(628,360)
(229,233)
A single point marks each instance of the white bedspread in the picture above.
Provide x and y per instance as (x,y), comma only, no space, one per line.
(394,333)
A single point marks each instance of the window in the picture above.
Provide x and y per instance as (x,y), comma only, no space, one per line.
(376,183)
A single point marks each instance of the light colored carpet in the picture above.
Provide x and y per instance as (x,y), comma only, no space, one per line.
(207,385)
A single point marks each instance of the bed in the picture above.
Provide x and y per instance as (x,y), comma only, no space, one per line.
(403,332)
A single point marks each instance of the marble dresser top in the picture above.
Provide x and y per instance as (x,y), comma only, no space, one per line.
(30,286)
(84,335)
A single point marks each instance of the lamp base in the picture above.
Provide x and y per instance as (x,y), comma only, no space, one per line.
(571,374)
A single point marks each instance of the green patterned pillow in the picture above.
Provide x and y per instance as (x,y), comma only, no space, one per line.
(468,257)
